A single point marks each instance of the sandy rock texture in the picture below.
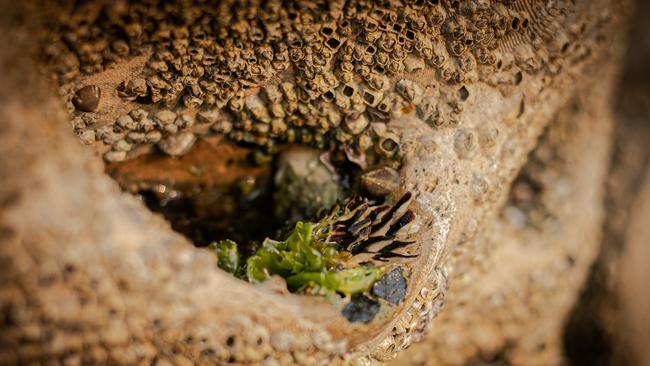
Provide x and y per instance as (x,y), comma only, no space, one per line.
(91,276)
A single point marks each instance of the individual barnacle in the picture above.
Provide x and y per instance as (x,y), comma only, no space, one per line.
(164,117)
(272,94)
(132,89)
(355,122)
(184,121)
(152,137)
(87,137)
(126,122)
(190,101)
(372,97)
(465,143)
(409,90)
(122,145)
(388,145)
(289,92)
(256,108)
(135,137)
(413,63)
(120,47)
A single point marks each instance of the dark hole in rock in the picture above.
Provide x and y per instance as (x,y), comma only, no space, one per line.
(361,309)
(515,23)
(369,98)
(389,145)
(565,47)
(463,93)
(218,189)
(328,95)
(518,77)
(230,341)
(348,91)
(410,35)
(333,42)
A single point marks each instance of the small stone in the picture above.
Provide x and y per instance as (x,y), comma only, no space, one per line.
(224,126)
(152,137)
(115,156)
(87,137)
(381,181)
(112,137)
(146,125)
(86,99)
(391,287)
(361,309)
(177,145)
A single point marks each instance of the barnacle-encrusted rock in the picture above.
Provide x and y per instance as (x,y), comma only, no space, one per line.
(335,72)
(141,287)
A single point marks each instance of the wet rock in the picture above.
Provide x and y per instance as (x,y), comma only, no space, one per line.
(86,99)
(361,309)
(177,145)
(304,185)
(381,181)
(391,286)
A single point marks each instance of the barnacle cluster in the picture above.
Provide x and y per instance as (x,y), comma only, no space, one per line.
(347,251)
(321,73)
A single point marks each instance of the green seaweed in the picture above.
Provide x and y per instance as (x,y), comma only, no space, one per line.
(227,256)
(305,259)
(347,281)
